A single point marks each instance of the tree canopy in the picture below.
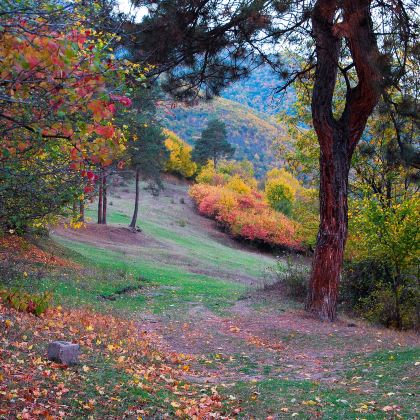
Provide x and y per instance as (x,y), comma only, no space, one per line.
(213,144)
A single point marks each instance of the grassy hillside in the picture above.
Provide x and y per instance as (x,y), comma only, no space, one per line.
(250,131)
(174,235)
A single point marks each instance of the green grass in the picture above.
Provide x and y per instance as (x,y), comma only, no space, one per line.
(208,251)
(190,242)
(161,288)
(390,380)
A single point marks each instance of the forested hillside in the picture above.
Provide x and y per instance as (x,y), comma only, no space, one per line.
(250,131)
(249,108)
(258,91)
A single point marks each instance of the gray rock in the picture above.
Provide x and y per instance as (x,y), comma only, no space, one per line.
(63,352)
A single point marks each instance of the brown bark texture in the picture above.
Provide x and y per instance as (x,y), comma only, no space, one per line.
(100,203)
(338,137)
(82,210)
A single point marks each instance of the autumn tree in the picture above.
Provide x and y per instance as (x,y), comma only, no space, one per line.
(204,45)
(56,106)
(179,161)
(213,144)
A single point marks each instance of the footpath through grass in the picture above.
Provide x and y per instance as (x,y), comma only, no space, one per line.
(379,385)
(114,380)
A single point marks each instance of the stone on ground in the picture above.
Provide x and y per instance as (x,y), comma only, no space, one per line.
(63,352)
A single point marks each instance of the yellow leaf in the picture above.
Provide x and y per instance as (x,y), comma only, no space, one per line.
(86,368)
(310,402)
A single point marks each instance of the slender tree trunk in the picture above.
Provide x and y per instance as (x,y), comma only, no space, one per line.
(82,210)
(395,286)
(74,208)
(136,202)
(104,199)
(338,137)
(100,203)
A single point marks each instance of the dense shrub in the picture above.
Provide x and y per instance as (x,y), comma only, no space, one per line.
(23,301)
(291,276)
(246,215)
(381,282)
(238,185)
(369,289)
(179,162)
(280,196)
(359,280)
(396,308)
(284,193)
(229,194)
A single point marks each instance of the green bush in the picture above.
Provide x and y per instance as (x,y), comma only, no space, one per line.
(382,282)
(359,280)
(291,276)
(280,197)
(370,290)
(22,301)
(394,309)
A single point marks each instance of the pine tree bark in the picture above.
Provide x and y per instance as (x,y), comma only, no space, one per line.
(338,137)
(136,202)
(332,235)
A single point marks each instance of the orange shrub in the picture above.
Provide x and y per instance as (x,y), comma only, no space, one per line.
(246,215)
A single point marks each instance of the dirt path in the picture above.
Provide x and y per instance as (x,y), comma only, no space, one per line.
(254,344)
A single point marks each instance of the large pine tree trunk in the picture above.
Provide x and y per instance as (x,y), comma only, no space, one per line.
(338,137)
(332,235)
(136,202)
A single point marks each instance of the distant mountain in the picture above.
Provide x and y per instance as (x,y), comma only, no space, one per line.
(251,132)
(258,91)
(248,108)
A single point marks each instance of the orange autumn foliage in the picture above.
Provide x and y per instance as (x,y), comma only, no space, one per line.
(246,215)
(137,360)
(15,248)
